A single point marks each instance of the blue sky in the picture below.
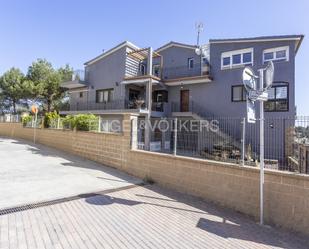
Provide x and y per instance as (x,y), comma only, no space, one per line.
(67,31)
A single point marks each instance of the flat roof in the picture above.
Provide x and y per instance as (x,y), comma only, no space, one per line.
(297,38)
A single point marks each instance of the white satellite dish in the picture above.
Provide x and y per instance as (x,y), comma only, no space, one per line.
(269,75)
(198,51)
(202,50)
(249,79)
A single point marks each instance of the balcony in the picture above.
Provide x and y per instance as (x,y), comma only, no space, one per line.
(137,62)
(92,106)
(171,73)
(78,75)
(112,106)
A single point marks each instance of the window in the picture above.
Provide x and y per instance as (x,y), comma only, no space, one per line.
(277,98)
(205,61)
(142,69)
(237,58)
(160,96)
(276,54)
(226,61)
(247,58)
(81,94)
(103,96)
(268,56)
(156,70)
(190,63)
(238,93)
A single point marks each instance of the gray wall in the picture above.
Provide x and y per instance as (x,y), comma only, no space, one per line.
(225,79)
(215,97)
(218,95)
(107,73)
(75,98)
(175,62)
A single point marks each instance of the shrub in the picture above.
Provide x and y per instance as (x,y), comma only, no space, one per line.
(50,118)
(82,122)
(26,119)
(86,122)
(68,122)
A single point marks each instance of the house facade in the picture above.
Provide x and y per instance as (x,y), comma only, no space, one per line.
(176,80)
(182,81)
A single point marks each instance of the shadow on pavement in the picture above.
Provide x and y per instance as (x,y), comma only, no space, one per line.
(76,161)
(108,200)
(224,222)
(230,225)
(226,229)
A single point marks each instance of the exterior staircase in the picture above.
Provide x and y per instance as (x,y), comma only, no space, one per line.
(224,142)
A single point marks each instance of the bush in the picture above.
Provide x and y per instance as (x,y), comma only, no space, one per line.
(68,122)
(82,122)
(86,122)
(50,118)
(26,119)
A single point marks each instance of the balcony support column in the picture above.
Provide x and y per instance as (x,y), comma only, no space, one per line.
(148,100)
(149,61)
(148,115)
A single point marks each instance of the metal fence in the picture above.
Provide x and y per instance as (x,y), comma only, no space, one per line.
(231,140)
(96,125)
(10,118)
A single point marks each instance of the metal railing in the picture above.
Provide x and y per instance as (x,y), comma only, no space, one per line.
(232,140)
(193,107)
(157,106)
(92,105)
(185,71)
(78,75)
(10,118)
(167,73)
(111,105)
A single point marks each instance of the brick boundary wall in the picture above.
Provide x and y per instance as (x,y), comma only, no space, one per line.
(229,185)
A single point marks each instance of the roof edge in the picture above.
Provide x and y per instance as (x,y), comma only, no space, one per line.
(297,38)
(176,44)
(110,51)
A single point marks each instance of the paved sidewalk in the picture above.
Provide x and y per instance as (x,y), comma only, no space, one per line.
(32,173)
(140,217)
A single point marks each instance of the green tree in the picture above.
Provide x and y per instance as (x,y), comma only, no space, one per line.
(13,87)
(2,103)
(66,73)
(46,82)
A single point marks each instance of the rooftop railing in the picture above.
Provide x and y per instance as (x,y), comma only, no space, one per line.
(185,71)
(78,75)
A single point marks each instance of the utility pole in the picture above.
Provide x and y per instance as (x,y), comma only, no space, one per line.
(199,27)
(261,72)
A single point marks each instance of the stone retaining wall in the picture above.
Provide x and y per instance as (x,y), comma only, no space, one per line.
(230,185)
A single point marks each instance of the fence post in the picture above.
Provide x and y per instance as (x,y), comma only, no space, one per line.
(34,129)
(243,141)
(175,138)
(99,124)
(58,123)
(134,133)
